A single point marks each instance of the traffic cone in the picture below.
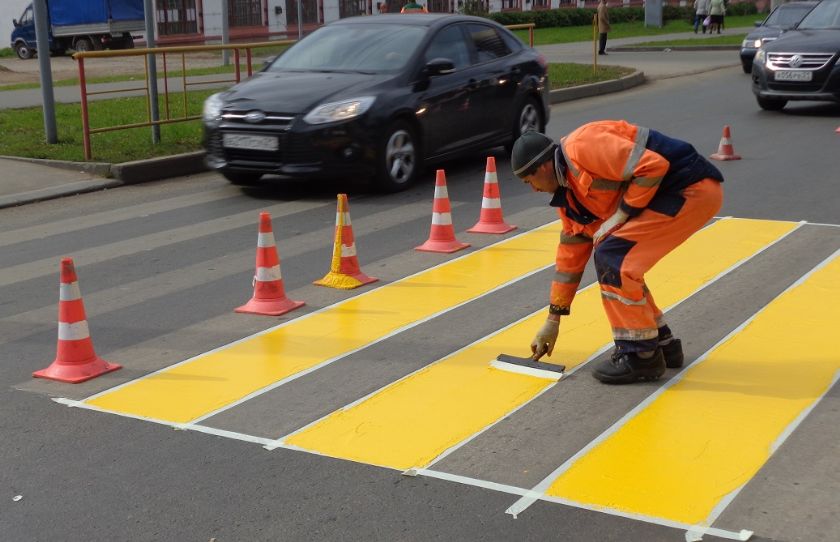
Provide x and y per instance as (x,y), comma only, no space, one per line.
(442,235)
(75,360)
(344,269)
(269,294)
(725,149)
(837,130)
(491,220)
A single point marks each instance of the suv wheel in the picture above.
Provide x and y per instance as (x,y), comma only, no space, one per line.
(746,66)
(242,178)
(399,158)
(771,104)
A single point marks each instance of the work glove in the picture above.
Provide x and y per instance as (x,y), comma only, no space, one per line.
(543,342)
(611,224)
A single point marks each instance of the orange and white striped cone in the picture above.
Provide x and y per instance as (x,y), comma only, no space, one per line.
(725,149)
(491,219)
(344,268)
(269,294)
(837,130)
(442,235)
(75,360)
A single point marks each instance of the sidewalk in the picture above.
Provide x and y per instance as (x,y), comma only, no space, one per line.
(26,181)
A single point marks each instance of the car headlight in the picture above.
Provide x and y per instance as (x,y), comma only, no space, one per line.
(757,43)
(212,108)
(336,111)
(759,57)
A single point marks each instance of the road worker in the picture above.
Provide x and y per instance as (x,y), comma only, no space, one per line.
(633,194)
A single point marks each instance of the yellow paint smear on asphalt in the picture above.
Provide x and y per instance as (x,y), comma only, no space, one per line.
(197,387)
(412,421)
(710,433)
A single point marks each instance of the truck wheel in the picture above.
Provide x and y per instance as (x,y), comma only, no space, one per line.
(83,44)
(23,51)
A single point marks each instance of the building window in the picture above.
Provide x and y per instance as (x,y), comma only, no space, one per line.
(310,12)
(176,17)
(439,6)
(245,13)
(542,4)
(511,5)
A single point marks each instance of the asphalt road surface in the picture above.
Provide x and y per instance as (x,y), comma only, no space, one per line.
(745,439)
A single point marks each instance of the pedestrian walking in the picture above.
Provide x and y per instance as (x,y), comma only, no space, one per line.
(603,26)
(630,195)
(701,11)
(717,10)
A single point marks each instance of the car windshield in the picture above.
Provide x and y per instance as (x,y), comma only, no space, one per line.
(368,48)
(786,16)
(825,15)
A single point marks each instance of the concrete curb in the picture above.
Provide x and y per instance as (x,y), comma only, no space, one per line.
(597,89)
(53,192)
(100,169)
(658,48)
(159,168)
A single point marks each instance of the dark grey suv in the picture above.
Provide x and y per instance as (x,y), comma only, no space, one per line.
(782,18)
(803,63)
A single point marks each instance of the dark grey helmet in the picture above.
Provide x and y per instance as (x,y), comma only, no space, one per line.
(529,151)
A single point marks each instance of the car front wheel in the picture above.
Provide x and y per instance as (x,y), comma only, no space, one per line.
(771,104)
(399,158)
(746,66)
(241,178)
(528,117)
(23,51)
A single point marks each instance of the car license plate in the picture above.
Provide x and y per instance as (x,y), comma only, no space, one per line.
(787,75)
(251,142)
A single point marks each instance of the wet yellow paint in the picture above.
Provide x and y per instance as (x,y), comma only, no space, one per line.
(709,434)
(414,420)
(208,382)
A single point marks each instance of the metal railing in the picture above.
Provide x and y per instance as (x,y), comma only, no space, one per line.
(165,53)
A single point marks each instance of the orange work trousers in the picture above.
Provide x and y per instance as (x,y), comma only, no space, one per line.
(623,258)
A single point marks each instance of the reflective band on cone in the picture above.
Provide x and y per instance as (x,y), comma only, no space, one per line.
(76,360)
(269,294)
(344,268)
(491,219)
(442,234)
(725,149)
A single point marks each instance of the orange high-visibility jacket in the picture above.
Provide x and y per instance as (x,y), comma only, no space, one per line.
(612,164)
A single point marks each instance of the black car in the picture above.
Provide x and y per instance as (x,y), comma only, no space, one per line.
(378,97)
(803,63)
(782,18)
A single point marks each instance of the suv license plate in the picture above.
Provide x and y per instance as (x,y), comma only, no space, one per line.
(793,75)
(251,142)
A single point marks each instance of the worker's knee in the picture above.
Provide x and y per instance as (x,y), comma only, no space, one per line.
(609,257)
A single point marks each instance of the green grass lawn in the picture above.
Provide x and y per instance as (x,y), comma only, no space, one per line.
(569,34)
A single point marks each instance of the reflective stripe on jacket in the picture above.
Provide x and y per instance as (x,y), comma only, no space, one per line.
(612,164)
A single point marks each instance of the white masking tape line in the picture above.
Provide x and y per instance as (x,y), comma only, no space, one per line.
(529,371)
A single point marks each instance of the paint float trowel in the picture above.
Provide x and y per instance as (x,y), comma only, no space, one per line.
(528,366)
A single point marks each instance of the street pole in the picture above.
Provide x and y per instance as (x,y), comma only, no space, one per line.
(225,32)
(42,36)
(300,19)
(153,89)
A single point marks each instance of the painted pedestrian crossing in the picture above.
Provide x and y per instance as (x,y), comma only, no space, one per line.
(429,413)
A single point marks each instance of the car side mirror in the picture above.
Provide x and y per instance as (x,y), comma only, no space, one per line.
(267,63)
(15,23)
(439,66)
(758,23)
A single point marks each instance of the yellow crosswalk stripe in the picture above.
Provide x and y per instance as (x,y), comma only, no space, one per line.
(211,381)
(707,435)
(412,421)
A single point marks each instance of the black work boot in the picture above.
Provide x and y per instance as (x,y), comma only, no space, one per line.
(673,354)
(628,367)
